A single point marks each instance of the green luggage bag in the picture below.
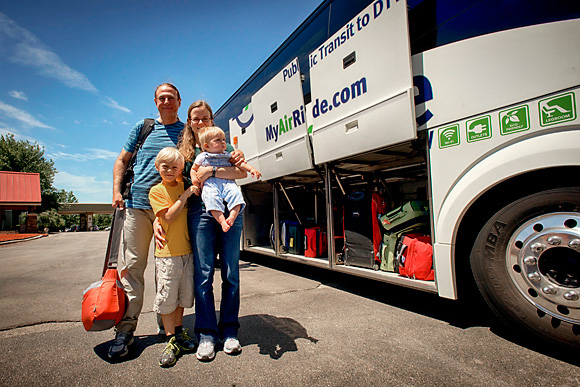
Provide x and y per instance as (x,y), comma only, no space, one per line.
(408,215)
(389,245)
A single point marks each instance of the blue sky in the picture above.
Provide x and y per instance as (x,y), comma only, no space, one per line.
(75,76)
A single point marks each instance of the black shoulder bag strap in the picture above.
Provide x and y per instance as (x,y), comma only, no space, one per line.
(128,177)
(111,257)
(145,131)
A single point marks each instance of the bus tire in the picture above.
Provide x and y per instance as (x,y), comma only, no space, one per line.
(526,264)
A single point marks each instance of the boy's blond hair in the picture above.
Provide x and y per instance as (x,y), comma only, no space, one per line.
(169,155)
(208,133)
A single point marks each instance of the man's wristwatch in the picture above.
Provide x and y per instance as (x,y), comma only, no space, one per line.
(213,170)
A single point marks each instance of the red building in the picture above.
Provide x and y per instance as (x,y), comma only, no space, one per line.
(19,193)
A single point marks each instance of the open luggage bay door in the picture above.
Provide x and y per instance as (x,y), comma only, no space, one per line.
(243,136)
(362,85)
(280,122)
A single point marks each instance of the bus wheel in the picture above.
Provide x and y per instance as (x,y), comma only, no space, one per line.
(526,263)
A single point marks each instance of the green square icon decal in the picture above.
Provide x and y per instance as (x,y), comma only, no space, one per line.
(449,136)
(478,129)
(560,108)
(514,120)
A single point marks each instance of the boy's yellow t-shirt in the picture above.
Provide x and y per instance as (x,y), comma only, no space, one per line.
(162,196)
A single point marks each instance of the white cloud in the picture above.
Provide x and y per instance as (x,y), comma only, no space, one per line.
(22,116)
(20,136)
(103,154)
(112,103)
(26,49)
(89,155)
(18,95)
(86,188)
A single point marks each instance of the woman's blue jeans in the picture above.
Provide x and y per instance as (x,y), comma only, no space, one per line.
(210,241)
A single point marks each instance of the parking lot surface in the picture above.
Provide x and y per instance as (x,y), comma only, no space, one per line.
(300,326)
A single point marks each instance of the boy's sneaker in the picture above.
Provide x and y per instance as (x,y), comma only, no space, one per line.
(119,348)
(185,342)
(170,353)
(205,350)
(232,346)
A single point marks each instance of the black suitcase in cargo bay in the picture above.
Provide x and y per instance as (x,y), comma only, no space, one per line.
(291,237)
(360,220)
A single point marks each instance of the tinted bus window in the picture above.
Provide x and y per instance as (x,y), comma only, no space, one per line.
(234,106)
(304,40)
(343,11)
(309,39)
(434,23)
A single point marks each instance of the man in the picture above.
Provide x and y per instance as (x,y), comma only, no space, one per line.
(139,217)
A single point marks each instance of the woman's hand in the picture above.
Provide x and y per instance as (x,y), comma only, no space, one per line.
(159,233)
(195,190)
(195,184)
(203,173)
(237,158)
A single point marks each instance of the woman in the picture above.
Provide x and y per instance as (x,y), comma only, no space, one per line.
(208,240)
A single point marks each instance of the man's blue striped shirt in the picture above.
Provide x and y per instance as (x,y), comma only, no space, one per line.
(146,176)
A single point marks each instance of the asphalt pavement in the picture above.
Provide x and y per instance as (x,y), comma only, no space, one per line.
(300,326)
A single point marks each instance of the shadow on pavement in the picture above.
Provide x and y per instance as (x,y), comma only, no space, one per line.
(135,350)
(273,335)
(461,314)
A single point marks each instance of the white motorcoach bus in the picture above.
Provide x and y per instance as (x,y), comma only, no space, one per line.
(470,107)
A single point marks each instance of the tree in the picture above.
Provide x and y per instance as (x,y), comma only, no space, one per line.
(103,220)
(66,196)
(22,156)
(50,219)
(63,196)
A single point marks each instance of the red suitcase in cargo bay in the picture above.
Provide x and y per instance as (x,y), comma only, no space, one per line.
(315,242)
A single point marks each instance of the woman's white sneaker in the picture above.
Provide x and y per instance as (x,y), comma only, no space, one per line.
(232,346)
(205,350)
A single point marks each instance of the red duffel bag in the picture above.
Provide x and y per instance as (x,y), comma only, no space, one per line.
(415,257)
(104,301)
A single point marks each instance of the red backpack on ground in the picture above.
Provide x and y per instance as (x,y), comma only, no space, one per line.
(104,301)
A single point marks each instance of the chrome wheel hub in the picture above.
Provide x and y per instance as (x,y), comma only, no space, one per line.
(543,261)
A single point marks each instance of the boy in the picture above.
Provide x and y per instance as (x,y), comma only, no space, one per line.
(173,262)
(215,190)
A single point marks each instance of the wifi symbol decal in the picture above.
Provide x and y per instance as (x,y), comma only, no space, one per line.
(449,136)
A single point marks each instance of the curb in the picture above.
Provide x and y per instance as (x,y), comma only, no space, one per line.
(23,239)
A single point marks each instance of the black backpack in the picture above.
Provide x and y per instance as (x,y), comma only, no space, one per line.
(128,177)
